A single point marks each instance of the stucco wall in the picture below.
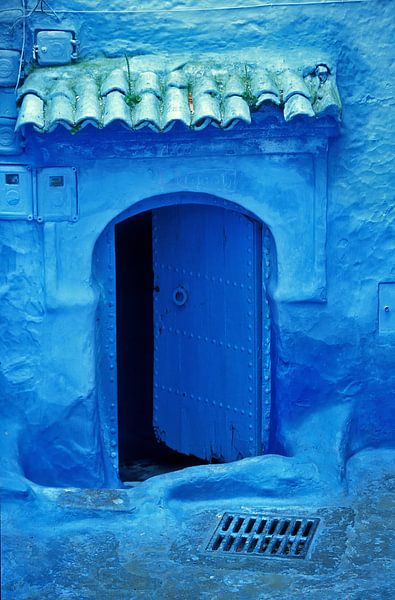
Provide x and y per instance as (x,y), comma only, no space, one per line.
(332,370)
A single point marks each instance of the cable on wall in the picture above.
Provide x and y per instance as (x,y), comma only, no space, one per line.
(55,12)
(24,9)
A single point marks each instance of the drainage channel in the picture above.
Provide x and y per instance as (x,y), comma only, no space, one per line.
(262,535)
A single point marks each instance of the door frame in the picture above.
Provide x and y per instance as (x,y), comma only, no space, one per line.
(104,273)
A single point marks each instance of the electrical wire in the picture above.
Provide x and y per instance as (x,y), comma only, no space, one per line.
(176,10)
(41,6)
(48,10)
(25,14)
(4,10)
(24,8)
(210,8)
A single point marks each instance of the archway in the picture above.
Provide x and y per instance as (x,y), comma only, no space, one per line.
(147,344)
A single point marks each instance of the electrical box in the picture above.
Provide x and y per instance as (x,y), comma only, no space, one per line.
(8,103)
(55,47)
(387,308)
(10,142)
(16,198)
(9,67)
(57,194)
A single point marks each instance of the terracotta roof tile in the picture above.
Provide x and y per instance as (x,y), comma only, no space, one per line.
(159,94)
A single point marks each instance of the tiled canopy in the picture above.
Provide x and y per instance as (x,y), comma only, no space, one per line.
(157,94)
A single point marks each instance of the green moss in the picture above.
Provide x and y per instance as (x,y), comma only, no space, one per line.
(132,99)
(251,100)
(248,96)
(75,129)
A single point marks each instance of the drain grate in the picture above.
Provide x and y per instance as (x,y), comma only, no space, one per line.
(258,535)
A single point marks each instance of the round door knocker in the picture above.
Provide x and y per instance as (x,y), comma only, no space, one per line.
(180,296)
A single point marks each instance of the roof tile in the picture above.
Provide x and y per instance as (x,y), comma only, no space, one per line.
(268,98)
(87,102)
(234,87)
(115,80)
(116,109)
(206,109)
(291,84)
(177,79)
(204,85)
(235,110)
(327,101)
(297,106)
(147,82)
(262,83)
(61,88)
(146,91)
(176,108)
(60,110)
(147,112)
(35,84)
(31,112)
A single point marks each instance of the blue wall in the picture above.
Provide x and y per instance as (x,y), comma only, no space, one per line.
(333,371)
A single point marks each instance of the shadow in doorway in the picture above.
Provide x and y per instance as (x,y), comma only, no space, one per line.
(140,455)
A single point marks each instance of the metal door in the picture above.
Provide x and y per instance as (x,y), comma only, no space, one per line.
(207,328)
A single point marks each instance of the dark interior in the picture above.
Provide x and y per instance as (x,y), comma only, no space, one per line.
(140,454)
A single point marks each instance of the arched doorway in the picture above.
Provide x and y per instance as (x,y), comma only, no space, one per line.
(192,342)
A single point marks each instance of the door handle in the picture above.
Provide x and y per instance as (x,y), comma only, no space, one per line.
(180,296)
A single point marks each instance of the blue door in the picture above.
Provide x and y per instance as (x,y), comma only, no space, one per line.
(207,331)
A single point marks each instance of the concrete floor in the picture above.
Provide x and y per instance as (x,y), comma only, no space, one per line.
(132,544)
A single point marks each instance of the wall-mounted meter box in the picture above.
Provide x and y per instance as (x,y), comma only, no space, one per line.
(57,194)
(9,67)
(387,307)
(10,141)
(16,198)
(54,47)
(8,107)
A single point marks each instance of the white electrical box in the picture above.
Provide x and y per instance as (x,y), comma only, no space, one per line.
(387,307)
(57,194)
(9,67)
(54,47)
(16,197)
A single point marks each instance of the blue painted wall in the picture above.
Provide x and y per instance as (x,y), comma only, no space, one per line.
(333,372)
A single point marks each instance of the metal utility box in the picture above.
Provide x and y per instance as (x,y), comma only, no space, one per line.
(54,47)
(9,67)
(7,104)
(387,307)
(16,198)
(57,194)
(10,141)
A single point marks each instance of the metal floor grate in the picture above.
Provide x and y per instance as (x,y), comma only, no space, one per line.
(259,535)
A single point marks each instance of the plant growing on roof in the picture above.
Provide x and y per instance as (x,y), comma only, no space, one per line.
(248,96)
(130,98)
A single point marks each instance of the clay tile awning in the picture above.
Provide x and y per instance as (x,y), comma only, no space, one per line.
(157,93)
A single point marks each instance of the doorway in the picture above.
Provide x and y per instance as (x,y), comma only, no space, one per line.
(141,454)
(189,347)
